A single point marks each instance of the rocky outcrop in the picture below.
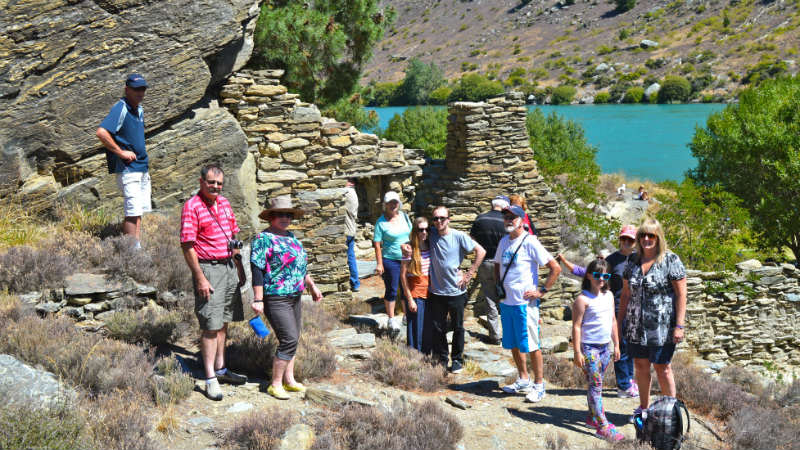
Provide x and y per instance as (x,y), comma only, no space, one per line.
(25,385)
(63,67)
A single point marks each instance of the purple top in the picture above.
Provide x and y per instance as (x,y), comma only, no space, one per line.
(578,271)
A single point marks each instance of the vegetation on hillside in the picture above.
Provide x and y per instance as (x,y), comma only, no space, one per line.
(420,127)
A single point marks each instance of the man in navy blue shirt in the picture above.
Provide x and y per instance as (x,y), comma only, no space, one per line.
(122,134)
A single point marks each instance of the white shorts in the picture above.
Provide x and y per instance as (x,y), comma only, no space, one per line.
(135,187)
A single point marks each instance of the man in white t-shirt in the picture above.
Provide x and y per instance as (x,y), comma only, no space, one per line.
(517,262)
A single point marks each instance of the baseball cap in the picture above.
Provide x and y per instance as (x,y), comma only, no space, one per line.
(135,80)
(515,210)
(391,195)
(628,231)
(501,201)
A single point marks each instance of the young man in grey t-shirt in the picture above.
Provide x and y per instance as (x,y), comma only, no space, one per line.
(447,289)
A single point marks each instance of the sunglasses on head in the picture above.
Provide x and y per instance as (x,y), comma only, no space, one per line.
(440,218)
(649,235)
(601,276)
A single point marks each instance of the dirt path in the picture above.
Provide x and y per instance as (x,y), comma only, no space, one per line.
(493,419)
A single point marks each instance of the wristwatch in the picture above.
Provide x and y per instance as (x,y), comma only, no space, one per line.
(237,256)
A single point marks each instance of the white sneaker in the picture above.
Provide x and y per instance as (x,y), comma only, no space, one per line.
(519,387)
(535,396)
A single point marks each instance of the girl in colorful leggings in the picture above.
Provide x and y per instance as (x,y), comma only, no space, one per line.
(594,325)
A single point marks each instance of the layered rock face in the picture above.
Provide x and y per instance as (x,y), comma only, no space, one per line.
(64,65)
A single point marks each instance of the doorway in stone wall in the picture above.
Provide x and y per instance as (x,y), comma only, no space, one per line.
(370,192)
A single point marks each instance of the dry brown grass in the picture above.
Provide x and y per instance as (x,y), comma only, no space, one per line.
(253,355)
(261,430)
(562,372)
(410,426)
(146,326)
(399,365)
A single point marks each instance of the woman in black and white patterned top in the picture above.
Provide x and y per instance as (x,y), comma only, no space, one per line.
(653,309)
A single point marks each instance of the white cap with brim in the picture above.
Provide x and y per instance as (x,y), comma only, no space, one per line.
(391,195)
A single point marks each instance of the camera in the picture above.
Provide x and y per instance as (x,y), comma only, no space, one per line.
(235,244)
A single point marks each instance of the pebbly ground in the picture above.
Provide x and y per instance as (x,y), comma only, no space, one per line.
(492,420)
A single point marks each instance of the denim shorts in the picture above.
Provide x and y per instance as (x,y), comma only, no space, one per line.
(656,354)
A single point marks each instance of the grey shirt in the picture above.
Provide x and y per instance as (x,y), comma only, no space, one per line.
(447,252)
(351,205)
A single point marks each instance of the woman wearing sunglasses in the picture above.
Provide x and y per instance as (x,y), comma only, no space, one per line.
(653,302)
(593,328)
(414,279)
(279,265)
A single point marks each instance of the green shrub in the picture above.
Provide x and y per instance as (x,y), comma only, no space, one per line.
(562,95)
(602,97)
(618,90)
(420,80)
(171,385)
(440,95)
(475,87)
(381,94)
(674,89)
(538,73)
(624,34)
(420,127)
(350,110)
(399,365)
(634,94)
(766,69)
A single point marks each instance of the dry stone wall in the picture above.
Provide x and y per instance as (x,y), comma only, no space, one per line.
(299,152)
(748,317)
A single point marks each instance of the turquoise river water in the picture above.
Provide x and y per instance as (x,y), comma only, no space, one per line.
(648,142)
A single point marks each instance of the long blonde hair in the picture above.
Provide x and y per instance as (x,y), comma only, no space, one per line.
(654,227)
(518,200)
(415,267)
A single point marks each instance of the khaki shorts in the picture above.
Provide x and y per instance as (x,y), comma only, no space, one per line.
(225,303)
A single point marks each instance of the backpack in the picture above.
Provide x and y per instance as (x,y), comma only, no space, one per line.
(661,425)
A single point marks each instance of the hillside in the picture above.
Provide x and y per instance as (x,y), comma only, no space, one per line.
(715,44)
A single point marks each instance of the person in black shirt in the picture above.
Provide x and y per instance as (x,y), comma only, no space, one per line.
(487,230)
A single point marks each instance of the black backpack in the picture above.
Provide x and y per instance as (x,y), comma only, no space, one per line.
(661,425)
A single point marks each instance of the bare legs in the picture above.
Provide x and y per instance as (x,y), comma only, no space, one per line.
(664,374)
(212,348)
(537,363)
(283,372)
(132,226)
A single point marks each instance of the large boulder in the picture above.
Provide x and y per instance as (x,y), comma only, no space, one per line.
(64,66)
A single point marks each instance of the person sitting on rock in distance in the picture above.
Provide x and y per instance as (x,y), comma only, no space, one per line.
(391,231)
(517,262)
(652,308)
(623,367)
(279,264)
(448,288)
(593,328)
(414,279)
(208,240)
(519,200)
(487,230)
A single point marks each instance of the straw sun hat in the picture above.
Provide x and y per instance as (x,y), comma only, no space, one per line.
(281,203)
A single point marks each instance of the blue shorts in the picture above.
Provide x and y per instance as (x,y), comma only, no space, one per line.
(391,278)
(656,354)
(520,327)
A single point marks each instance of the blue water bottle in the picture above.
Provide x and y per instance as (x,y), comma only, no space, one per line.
(259,327)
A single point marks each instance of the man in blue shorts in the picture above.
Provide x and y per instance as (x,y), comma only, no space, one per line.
(122,134)
(517,262)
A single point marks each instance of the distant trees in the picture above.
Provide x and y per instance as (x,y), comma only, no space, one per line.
(563,95)
(421,79)
(475,87)
(624,5)
(322,45)
(420,127)
(751,150)
(674,89)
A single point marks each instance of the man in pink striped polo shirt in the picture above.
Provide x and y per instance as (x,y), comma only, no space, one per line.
(208,240)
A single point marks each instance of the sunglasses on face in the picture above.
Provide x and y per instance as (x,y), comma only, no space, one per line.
(648,236)
(601,276)
(213,183)
(440,219)
(626,239)
(287,215)
(422,230)
(509,217)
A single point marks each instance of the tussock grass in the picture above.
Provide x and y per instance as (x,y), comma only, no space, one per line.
(170,384)
(25,426)
(562,372)
(411,426)
(261,430)
(315,359)
(146,326)
(399,365)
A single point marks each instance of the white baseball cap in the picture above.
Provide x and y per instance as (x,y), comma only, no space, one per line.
(391,195)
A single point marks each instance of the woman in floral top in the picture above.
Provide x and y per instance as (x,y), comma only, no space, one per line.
(279,265)
(653,302)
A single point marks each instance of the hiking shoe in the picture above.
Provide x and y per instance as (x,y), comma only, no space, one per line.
(519,387)
(535,396)
(609,433)
(296,387)
(231,378)
(213,391)
(457,367)
(278,392)
(636,412)
(631,392)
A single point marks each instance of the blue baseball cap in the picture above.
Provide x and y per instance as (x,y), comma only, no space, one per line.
(504,198)
(135,80)
(515,210)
